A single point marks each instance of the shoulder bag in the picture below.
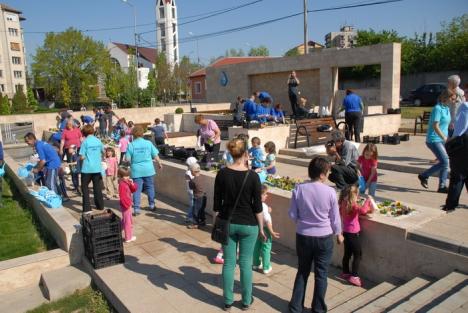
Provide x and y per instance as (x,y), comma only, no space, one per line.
(220,232)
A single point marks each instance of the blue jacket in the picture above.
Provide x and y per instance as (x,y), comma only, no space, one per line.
(250,109)
(352,103)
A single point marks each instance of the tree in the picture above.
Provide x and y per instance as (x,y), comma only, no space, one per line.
(4,105)
(19,103)
(259,51)
(182,72)
(72,57)
(32,101)
(65,94)
(234,53)
(292,52)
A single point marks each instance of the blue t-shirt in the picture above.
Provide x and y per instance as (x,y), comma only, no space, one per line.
(257,156)
(461,120)
(265,95)
(140,153)
(265,111)
(91,149)
(47,154)
(250,109)
(440,113)
(158,131)
(88,119)
(352,103)
(278,114)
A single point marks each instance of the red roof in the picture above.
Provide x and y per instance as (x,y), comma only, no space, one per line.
(227,61)
(147,53)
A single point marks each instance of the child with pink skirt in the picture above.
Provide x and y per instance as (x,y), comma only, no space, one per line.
(126,188)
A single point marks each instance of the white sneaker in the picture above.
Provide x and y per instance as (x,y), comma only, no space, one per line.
(256,268)
(132,239)
(268,270)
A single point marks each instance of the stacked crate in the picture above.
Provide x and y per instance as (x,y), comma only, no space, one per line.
(102,238)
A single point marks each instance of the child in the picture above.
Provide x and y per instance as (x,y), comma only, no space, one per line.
(199,197)
(367,163)
(159,132)
(111,173)
(123,144)
(263,248)
(270,160)
(126,188)
(129,130)
(350,211)
(74,168)
(188,177)
(256,154)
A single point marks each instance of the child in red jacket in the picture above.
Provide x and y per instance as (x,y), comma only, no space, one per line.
(126,188)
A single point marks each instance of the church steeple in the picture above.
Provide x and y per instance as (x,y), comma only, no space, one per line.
(167,30)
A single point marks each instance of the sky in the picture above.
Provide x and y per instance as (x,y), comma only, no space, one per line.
(406,17)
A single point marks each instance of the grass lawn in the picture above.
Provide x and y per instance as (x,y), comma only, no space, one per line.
(20,232)
(84,301)
(413,112)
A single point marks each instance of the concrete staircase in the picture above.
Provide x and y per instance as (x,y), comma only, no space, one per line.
(53,286)
(448,294)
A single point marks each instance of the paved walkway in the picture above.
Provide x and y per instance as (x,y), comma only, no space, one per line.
(168,269)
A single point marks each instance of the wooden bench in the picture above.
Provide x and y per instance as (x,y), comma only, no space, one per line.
(422,120)
(308,128)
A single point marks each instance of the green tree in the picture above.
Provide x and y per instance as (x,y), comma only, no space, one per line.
(234,53)
(19,103)
(32,101)
(165,82)
(72,57)
(4,105)
(259,51)
(65,94)
(292,52)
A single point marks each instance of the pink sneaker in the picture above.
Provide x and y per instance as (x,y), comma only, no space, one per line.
(218,260)
(345,276)
(354,280)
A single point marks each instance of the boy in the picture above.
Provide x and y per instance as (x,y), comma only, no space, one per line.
(188,177)
(199,197)
(256,154)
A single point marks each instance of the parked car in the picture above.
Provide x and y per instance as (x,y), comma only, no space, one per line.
(427,94)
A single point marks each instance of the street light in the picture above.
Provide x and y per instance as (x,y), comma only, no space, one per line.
(136,47)
(198,54)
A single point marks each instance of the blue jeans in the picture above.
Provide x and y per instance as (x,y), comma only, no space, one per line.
(317,251)
(442,166)
(199,205)
(190,209)
(372,188)
(145,184)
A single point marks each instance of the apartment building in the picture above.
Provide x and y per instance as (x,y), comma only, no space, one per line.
(12,52)
(345,38)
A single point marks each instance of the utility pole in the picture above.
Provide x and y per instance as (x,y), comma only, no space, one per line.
(135,34)
(306,46)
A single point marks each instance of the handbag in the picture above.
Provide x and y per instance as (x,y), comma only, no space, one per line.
(220,232)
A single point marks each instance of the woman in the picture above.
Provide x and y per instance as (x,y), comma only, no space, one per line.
(293,92)
(246,220)
(91,169)
(436,137)
(71,135)
(140,154)
(210,136)
(353,106)
(314,209)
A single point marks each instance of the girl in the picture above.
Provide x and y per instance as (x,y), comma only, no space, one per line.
(111,173)
(350,211)
(367,163)
(123,144)
(129,130)
(270,160)
(75,168)
(262,248)
(126,188)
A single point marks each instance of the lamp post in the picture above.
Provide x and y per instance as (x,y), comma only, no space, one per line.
(198,54)
(136,47)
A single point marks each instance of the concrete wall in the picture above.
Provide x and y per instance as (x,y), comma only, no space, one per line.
(278,134)
(385,248)
(326,61)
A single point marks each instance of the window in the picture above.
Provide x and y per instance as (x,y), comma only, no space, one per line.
(11,17)
(197,88)
(1,73)
(2,87)
(13,31)
(173,13)
(162,28)
(175,41)
(161,13)
(16,60)
(14,46)
(174,27)
(163,46)
(17,74)
(18,87)
(175,55)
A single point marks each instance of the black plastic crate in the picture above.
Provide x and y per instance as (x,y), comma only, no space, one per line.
(106,259)
(404,137)
(101,225)
(102,245)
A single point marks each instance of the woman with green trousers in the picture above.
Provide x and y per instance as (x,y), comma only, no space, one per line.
(246,220)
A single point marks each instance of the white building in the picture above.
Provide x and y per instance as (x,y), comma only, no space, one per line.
(345,38)
(167,30)
(12,52)
(123,56)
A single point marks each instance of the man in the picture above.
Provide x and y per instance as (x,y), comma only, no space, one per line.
(343,172)
(49,161)
(250,108)
(238,109)
(109,114)
(453,85)
(87,120)
(457,150)
(353,107)
(100,118)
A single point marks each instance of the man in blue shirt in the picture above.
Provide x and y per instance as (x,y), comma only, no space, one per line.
(353,106)
(457,150)
(49,161)
(250,108)
(87,120)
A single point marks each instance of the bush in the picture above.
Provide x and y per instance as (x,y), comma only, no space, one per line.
(179,111)
(19,103)
(4,105)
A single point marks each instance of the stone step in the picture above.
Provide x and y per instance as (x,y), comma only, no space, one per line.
(344,296)
(63,282)
(364,298)
(458,302)
(440,288)
(22,300)
(398,295)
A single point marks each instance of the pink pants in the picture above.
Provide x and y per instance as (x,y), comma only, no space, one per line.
(127,223)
